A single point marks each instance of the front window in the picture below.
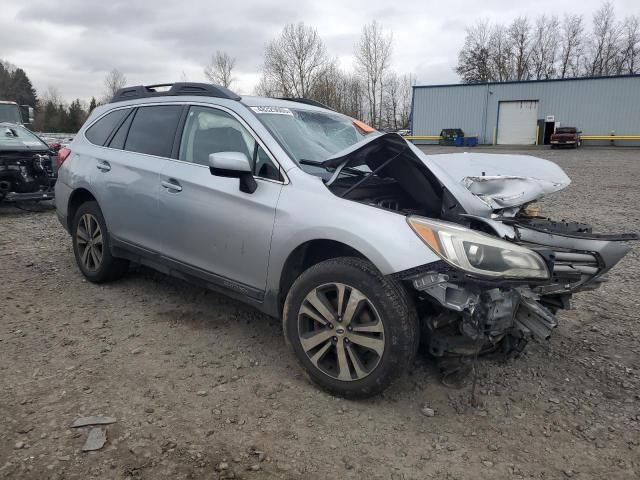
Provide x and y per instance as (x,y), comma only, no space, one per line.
(16,136)
(311,136)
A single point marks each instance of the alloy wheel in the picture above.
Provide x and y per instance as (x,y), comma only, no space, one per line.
(341,331)
(89,242)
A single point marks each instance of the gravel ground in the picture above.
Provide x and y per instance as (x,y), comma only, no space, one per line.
(203,387)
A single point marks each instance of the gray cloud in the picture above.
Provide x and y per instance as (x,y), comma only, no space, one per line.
(71,44)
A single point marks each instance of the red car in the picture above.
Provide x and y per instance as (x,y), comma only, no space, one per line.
(566,137)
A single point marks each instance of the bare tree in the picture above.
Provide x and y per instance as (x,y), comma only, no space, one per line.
(544,47)
(631,45)
(519,34)
(219,71)
(113,81)
(571,45)
(392,99)
(475,57)
(604,44)
(407,81)
(500,57)
(295,60)
(373,54)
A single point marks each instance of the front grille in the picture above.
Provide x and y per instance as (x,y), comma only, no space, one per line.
(571,270)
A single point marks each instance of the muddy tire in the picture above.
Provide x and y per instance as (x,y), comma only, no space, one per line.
(91,243)
(353,330)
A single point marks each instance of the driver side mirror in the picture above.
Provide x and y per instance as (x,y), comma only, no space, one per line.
(233,165)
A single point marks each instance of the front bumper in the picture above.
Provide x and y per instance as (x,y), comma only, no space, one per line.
(464,314)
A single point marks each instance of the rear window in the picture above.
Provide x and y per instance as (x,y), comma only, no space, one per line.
(153,130)
(99,132)
(566,130)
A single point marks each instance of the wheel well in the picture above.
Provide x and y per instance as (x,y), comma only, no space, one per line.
(78,197)
(307,255)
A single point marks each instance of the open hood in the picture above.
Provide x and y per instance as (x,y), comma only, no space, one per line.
(480,182)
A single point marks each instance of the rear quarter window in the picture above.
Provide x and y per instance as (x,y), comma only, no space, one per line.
(99,132)
(153,130)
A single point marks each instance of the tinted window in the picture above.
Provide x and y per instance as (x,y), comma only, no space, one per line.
(153,129)
(208,130)
(121,134)
(99,132)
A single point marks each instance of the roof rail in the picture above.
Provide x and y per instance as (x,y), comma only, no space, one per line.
(176,89)
(307,101)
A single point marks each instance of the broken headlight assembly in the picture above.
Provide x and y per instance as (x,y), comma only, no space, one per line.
(477,253)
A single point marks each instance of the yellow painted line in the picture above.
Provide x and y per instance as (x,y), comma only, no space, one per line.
(432,137)
(610,137)
(423,137)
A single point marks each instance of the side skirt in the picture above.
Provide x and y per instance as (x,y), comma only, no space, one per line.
(189,273)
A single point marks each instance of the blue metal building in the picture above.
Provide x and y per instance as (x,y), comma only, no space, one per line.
(527,112)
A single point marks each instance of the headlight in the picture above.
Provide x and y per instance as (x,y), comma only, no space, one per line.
(476,252)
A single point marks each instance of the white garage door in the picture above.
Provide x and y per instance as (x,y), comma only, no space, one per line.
(517,122)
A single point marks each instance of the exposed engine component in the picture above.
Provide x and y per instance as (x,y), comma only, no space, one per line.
(26,176)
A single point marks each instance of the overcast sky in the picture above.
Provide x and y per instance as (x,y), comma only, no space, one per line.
(71,44)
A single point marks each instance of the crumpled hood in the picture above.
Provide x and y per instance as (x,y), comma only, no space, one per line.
(503,180)
(480,182)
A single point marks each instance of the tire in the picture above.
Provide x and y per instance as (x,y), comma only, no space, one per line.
(94,257)
(385,320)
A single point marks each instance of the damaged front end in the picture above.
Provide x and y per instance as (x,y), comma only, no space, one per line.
(465,314)
(503,272)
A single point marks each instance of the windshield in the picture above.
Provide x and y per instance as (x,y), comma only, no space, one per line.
(9,112)
(309,135)
(566,130)
(16,136)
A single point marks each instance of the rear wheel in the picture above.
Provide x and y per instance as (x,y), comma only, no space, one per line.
(353,330)
(91,246)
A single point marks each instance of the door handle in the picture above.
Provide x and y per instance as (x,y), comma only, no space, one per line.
(103,166)
(169,185)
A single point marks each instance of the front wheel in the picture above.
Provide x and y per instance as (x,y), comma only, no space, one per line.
(353,330)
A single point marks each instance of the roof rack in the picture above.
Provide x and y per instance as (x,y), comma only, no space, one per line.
(176,89)
(307,101)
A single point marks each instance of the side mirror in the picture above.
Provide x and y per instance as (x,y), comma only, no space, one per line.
(28,116)
(233,165)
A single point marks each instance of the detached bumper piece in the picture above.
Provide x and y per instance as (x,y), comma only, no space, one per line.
(28,197)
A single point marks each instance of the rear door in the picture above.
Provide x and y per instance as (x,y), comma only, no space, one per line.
(211,228)
(127,175)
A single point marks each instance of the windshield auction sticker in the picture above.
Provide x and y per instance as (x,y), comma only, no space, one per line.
(273,110)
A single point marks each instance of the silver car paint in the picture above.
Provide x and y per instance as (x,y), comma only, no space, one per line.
(245,238)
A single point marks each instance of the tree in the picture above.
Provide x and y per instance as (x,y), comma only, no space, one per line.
(631,45)
(474,58)
(604,44)
(113,81)
(294,62)
(571,45)
(220,69)
(373,54)
(92,105)
(519,34)
(544,47)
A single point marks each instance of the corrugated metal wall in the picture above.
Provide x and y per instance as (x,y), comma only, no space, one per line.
(595,105)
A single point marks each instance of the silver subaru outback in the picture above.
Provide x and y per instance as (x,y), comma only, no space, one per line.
(364,246)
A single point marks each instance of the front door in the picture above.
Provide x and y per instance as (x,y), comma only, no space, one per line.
(211,228)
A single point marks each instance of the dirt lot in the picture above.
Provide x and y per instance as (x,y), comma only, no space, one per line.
(203,387)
